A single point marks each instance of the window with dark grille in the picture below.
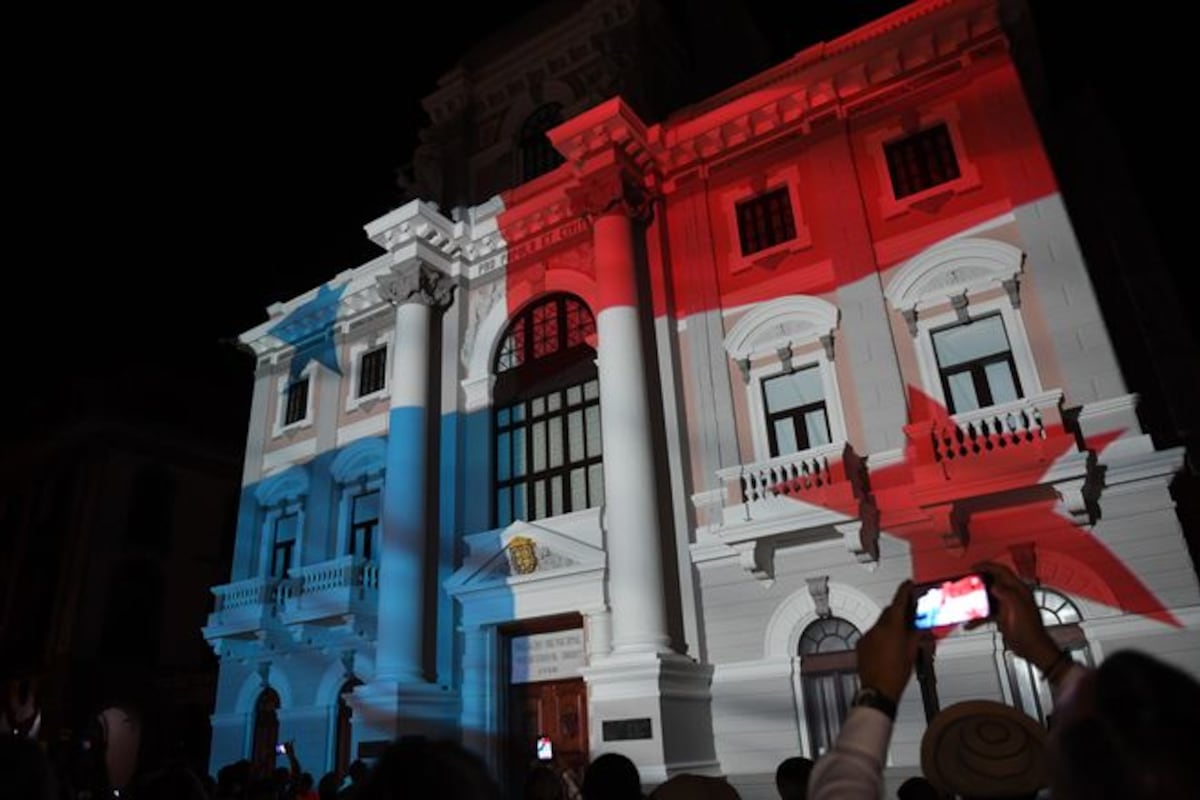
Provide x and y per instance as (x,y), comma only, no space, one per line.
(372,371)
(765,221)
(286,529)
(921,161)
(796,413)
(538,155)
(364,522)
(548,452)
(296,407)
(828,678)
(976,365)
(1030,691)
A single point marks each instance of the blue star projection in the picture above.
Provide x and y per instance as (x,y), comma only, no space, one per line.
(309,328)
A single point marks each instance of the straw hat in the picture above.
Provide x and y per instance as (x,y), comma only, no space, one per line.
(980,748)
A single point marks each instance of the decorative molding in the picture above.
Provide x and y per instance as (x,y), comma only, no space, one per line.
(419,283)
(363,458)
(818,589)
(950,271)
(781,323)
(286,487)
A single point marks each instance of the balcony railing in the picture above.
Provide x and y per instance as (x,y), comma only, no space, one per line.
(250,592)
(1021,424)
(791,475)
(329,590)
(242,607)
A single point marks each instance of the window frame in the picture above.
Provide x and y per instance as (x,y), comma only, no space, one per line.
(976,368)
(267,548)
(1070,636)
(538,377)
(347,491)
(839,665)
(796,413)
(358,350)
(748,189)
(1028,382)
(284,383)
(770,367)
(875,141)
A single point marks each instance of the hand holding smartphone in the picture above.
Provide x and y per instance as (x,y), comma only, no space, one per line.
(952,601)
(545,750)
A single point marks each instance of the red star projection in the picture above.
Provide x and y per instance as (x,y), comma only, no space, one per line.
(966,494)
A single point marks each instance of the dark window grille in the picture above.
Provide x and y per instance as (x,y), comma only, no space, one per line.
(296,408)
(538,155)
(797,418)
(547,422)
(921,161)
(364,521)
(765,221)
(371,376)
(828,678)
(976,365)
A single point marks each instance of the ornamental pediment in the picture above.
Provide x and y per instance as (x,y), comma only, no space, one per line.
(523,551)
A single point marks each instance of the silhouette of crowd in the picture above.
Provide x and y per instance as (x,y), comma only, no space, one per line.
(1125,730)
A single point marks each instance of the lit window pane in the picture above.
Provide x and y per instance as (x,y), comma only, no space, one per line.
(502,417)
(785,437)
(1000,381)
(593,431)
(539,499)
(518,501)
(556,442)
(578,489)
(285,528)
(800,388)
(518,445)
(575,435)
(503,457)
(556,495)
(539,447)
(538,406)
(591,390)
(554,401)
(817,427)
(574,396)
(973,340)
(503,511)
(595,486)
(518,412)
(962,391)
(366,507)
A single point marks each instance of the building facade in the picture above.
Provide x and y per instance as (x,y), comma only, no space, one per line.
(632,452)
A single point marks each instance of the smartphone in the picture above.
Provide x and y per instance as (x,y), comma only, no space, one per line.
(545,751)
(952,601)
(281,749)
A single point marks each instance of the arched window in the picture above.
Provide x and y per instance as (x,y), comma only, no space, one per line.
(538,155)
(547,455)
(344,734)
(1030,692)
(266,732)
(828,677)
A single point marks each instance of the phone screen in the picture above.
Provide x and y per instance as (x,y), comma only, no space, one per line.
(281,749)
(545,751)
(951,602)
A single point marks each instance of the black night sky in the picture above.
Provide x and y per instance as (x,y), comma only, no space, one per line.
(178,171)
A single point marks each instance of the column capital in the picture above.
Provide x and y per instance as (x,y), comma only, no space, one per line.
(612,190)
(417,284)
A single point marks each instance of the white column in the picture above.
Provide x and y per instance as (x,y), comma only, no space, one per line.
(402,613)
(633,538)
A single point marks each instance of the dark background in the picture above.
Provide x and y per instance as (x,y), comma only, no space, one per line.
(176,174)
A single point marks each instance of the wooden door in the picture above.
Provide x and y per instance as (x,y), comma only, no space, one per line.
(557,709)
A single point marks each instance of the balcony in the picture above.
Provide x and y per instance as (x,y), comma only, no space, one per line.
(330,593)
(242,608)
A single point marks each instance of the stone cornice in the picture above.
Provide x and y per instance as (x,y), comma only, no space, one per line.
(603,135)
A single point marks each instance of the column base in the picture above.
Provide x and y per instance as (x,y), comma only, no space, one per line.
(656,709)
(384,711)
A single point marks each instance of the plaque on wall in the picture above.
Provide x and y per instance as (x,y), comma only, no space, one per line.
(622,730)
(547,656)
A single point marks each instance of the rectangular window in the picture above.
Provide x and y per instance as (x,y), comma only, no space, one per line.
(921,161)
(296,407)
(548,454)
(286,530)
(371,374)
(976,365)
(765,221)
(796,413)
(364,522)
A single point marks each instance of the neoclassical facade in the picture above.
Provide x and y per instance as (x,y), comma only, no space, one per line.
(631,453)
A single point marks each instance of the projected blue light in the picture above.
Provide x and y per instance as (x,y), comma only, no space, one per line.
(309,328)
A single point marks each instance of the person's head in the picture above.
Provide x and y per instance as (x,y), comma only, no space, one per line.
(305,782)
(328,787)
(612,776)
(357,771)
(418,767)
(791,777)
(543,783)
(917,788)
(1129,732)
(695,787)
(172,783)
